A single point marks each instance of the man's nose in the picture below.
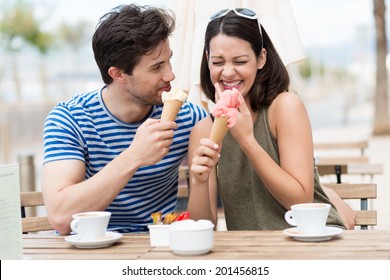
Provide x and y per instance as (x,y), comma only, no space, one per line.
(169,75)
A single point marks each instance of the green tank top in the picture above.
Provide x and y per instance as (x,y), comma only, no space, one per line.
(247,203)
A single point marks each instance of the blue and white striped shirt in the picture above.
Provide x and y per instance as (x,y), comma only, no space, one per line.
(84,129)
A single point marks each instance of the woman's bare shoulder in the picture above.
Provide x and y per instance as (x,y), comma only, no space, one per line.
(287,103)
(287,99)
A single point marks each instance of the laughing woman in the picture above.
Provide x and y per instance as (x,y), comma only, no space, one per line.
(265,163)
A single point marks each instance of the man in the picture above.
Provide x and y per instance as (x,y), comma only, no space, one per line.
(107,149)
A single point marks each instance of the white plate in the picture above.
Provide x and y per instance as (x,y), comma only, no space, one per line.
(329,233)
(109,239)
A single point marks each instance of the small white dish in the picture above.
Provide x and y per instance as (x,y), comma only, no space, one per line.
(159,235)
(328,234)
(189,237)
(109,239)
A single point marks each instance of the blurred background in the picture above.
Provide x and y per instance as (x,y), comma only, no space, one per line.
(46,57)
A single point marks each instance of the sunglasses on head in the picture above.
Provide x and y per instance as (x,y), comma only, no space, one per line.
(241,12)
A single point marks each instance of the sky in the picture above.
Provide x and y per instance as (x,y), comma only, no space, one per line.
(319,22)
(331,22)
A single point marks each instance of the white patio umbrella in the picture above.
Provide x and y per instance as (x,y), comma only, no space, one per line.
(192,17)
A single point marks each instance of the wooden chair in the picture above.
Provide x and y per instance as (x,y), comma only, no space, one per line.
(184,182)
(183,188)
(363,192)
(338,153)
(361,145)
(370,169)
(342,160)
(33,224)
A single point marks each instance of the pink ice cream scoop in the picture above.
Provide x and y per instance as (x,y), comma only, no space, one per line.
(227,106)
(225,113)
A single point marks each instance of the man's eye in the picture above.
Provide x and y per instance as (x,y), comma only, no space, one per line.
(157,67)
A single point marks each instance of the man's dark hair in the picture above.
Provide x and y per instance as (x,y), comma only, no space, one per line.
(128,32)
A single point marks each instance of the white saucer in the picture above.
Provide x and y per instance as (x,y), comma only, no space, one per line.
(109,239)
(329,233)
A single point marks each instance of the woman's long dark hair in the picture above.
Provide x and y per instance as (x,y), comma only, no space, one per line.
(270,81)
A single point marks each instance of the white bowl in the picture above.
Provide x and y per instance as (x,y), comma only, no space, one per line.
(189,237)
(159,235)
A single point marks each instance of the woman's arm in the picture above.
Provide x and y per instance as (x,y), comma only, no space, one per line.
(203,155)
(345,211)
(292,181)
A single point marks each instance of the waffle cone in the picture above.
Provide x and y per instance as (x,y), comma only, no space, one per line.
(219,129)
(170,110)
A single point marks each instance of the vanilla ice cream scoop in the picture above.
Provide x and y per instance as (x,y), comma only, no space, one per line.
(173,100)
(174,94)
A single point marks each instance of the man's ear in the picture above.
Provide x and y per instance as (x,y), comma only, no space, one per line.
(262,59)
(116,74)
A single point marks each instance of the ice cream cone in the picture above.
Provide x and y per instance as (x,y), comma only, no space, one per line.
(170,110)
(219,129)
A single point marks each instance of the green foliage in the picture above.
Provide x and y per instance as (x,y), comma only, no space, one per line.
(305,69)
(74,35)
(18,23)
(41,40)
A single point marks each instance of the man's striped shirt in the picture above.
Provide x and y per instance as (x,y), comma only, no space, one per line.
(84,129)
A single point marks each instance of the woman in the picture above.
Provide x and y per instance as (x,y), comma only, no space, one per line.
(265,163)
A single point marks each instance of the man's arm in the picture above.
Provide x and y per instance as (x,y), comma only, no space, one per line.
(66,191)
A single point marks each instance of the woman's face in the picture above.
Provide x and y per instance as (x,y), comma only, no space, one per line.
(233,63)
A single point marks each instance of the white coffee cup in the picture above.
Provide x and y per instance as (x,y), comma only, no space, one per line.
(90,225)
(309,218)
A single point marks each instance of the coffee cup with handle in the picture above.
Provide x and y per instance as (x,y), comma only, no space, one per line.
(90,226)
(309,218)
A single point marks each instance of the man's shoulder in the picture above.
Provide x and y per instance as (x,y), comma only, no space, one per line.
(83,99)
(80,102)
(192,107)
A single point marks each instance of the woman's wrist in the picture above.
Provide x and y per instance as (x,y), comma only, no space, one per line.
(247,143)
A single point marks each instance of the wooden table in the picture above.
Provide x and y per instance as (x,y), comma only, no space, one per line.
(231,245)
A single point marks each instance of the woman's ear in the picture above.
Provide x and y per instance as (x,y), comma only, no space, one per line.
(116,74)
(262,58)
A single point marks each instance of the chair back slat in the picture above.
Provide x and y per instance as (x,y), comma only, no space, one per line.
(361,145)
(342,160)
(354,191)
(31,199)
(33,224)
(329,169)
(366,218)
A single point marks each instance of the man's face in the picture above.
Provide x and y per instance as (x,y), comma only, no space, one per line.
(151,76)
